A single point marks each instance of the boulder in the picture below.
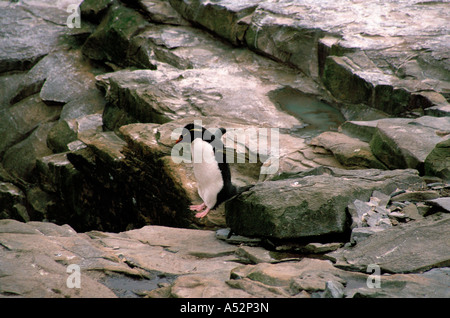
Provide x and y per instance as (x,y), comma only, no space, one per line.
(437,162)
(407,248)
(23,118)
(347,150)
(67,131)
(407,145)
(111,39)
(25,38)
(311,204)
(59,77)
(20,159)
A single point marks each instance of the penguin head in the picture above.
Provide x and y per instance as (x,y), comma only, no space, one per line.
(192,131)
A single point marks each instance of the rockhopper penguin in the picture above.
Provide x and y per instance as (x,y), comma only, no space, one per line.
(211,170)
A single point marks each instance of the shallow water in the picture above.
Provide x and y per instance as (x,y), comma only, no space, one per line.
(128,287)
(316,116)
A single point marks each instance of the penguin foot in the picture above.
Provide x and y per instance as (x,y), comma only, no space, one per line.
(198,207)
(202,214)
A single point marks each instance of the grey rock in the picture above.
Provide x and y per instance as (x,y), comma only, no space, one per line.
(111,39)
(437,162)
(93,10)
(412,212)
(383,199)
(25,38)
(412,247)
(20,159)
(12,200)
(333,289)
(161,11)
(23,118)
(225,235)
(401,146)
(169,94)
(359,234)
(441,203)
(357,210)
(290,208)
(416,195)
(349,151)
(229,16)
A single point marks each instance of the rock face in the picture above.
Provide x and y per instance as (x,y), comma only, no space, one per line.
(337,127)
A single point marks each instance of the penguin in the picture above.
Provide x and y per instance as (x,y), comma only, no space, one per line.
(211,170)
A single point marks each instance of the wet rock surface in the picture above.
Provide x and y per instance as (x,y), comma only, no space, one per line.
(89,176)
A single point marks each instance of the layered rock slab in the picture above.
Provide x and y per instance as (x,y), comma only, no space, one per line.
(413,247)
(310,204)
(168,94)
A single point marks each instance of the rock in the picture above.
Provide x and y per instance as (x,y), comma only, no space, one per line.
(12,200)
(61,75)
(318,248)
(20,160)
(285,279)
(161,11)
(442,203)
(25,38)
(364,130)
(428,284)
(254,255)
(22,119)
(357,210)
(437,162)
(415,196)
(42,256)
(400,146)
(407,248)
(89,103)
(227,236)
(290,208)
(194,286)
(381,198)
(169,94)
(9,84)
(333,289)
(130,263)
(338,68)
(412,212)
(111,39)
(67,131)
(180,46)
(94,10)
(229,16)
(359,234)
(348,151)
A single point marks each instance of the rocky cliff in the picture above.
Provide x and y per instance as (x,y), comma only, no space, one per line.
(355,95)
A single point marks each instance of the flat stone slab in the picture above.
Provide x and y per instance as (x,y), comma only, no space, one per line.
(309,205)
(413,247)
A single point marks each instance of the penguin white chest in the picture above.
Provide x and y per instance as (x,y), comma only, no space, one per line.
(206,171)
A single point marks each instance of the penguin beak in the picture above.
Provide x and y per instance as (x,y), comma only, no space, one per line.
(179,139)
